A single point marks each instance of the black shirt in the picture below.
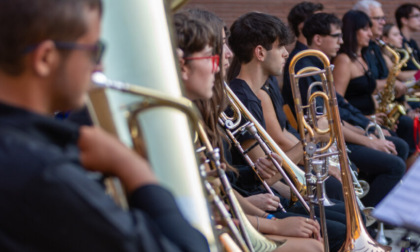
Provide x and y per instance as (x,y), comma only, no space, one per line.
(375,61)
(50,203)
(287,88)
(244,93)
(273,90)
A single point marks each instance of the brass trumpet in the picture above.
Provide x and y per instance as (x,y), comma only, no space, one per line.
(357,238)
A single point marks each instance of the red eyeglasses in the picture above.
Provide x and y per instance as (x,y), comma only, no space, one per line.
(214,60)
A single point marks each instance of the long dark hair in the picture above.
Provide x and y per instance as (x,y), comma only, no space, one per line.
(212,108)
(353,21)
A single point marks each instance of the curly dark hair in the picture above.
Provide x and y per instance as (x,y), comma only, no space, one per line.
(300,12)
(253,29)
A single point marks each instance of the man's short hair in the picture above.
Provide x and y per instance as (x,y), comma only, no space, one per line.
(300,12)
(404,11)
(192,35)
(253,29)
(320,24)
(27,23)
(364,5)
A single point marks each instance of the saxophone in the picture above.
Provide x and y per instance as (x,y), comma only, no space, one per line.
(387,103)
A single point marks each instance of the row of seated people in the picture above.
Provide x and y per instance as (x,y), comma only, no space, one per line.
(52,188)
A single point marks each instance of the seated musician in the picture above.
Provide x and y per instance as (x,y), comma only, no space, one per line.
(188,26)
(296,18)
(51,202)
(408,21)
(392,37)
(257,41)
(379,71)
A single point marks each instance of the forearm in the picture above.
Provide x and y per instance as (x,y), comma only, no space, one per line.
(380,84)
(295,153)
(282,189)
(247,207)
(355,138)
(406,75)
(353,128)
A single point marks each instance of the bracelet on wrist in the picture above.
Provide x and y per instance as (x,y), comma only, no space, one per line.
(270,216)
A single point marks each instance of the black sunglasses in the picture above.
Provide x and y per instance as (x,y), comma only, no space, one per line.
(97,49)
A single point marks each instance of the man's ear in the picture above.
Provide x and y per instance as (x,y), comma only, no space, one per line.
(184,69)
(317,40)
(260,52)
(404,21)
(45,58)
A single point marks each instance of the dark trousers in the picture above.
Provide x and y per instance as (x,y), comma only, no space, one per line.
(382,170)
(405,131)
(336,221)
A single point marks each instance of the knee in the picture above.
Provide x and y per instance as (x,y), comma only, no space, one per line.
(397,168)
(402,147)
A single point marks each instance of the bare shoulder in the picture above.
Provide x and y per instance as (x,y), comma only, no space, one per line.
(342,58)
(263,96)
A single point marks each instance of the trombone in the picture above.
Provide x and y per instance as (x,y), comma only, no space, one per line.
(291,173)
(357,238)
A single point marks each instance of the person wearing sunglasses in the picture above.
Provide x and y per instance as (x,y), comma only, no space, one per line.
(51,201)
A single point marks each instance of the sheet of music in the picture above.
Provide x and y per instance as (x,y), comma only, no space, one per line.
(401,207)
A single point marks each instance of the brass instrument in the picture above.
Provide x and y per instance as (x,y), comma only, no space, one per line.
(248,239)
(412,57)
(140,53)
(292,174)
(254,240)
(361,187)
(387,104)
(357,238)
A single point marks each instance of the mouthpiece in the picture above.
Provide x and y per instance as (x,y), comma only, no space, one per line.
(99,78)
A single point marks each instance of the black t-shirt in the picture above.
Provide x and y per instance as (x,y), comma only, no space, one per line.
(253,104)
(273,90)
(287,88)
(375,61)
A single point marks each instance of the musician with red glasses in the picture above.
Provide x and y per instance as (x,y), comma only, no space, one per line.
(199,63)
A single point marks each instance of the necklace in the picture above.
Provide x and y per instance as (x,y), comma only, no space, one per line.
(361,64)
